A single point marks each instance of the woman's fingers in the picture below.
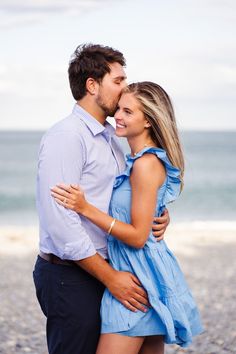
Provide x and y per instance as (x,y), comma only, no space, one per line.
(61,203)
(65,200)
(59,196)
(66,205)
(68,201)
(60,191)
(68,196)
(65,187)
(75,186)
(70,188)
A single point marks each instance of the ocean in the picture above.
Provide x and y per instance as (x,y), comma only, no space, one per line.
(210,180)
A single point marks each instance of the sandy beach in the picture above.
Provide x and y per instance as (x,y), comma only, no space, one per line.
(206,253)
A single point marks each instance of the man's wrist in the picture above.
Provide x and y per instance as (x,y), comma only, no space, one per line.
(99,268)
(109,277)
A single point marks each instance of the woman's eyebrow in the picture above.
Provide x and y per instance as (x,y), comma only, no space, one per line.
(128,109)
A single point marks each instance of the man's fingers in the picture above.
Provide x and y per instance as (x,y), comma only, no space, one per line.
(140,291)
(138,287)
(143,300)
(140,295)
(157,227)
(158,233)
(165,212)
(129,306)
(161,219)
(133,302)
(136,280)
(158,239)
(136,302)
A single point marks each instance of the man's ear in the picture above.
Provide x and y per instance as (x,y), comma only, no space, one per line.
(91,86)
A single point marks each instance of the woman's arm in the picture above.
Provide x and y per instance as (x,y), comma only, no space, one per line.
(147,176)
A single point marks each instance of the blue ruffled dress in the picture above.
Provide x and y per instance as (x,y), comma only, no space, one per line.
(174,313)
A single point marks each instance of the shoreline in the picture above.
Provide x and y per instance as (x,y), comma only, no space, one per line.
(181,236)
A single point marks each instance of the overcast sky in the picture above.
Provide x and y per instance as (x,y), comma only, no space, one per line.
(187,46)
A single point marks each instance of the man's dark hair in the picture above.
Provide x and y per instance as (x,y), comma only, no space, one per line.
(91,61)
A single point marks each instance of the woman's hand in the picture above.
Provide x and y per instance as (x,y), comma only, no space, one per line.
(70,196)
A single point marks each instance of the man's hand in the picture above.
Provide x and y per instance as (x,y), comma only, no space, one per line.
(124,286)
(159,228)
(127,289)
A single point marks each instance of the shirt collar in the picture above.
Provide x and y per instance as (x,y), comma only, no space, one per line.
(94,126)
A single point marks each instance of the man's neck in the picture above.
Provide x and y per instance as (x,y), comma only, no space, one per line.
(95,111)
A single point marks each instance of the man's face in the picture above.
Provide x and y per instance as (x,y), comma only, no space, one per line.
(110,88)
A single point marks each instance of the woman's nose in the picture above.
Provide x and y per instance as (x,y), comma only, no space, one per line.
(117,114)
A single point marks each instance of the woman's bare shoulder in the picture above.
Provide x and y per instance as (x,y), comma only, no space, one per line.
(150,167)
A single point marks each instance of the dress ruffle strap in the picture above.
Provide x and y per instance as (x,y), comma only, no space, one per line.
(173,182)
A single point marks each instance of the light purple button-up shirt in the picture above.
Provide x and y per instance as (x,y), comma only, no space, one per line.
(82,151)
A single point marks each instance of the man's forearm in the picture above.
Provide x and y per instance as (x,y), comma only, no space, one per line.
(98,268)
(124,286)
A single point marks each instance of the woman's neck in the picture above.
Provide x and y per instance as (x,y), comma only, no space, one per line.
(139,143)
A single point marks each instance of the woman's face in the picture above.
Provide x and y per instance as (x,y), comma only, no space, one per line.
(130,120)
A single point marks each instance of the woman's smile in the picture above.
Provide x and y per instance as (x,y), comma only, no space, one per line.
(120,125)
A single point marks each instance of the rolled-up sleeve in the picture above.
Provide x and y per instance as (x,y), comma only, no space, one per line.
(62,156)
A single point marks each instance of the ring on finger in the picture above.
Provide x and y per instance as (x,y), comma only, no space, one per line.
(65,201)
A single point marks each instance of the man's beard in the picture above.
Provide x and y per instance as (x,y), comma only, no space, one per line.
(108,110)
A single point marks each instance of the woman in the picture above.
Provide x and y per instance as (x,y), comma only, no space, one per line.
(153,178)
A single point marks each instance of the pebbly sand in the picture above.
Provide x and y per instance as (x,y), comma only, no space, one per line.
(206,252)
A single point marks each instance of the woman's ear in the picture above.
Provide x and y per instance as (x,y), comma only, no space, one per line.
(147,124)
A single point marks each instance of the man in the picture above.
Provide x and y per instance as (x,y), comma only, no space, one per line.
(72,269)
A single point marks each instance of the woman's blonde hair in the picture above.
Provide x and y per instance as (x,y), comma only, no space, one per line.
(158,110)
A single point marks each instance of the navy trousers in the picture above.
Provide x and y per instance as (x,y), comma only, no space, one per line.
(70,298)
